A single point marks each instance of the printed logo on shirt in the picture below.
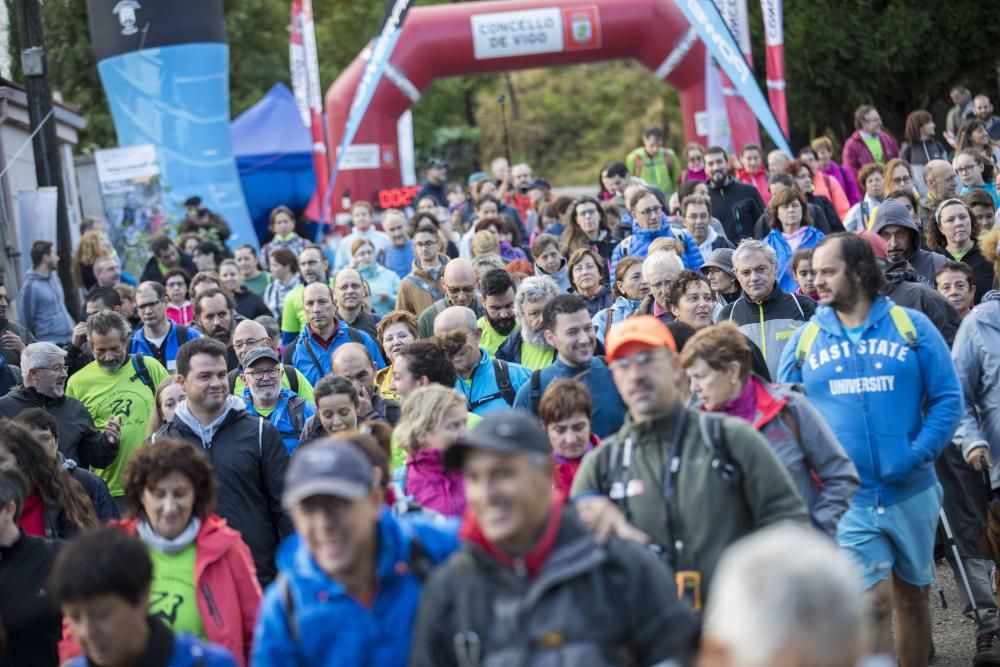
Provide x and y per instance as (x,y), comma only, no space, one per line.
(866,347)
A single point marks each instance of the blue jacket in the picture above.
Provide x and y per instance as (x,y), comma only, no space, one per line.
(483,384)
(297,354)
(334,628)
(399,260)
(188,652)
(638,244)
(893,408)
(289,415)
(620,309)
(609,409)
(775,239)
(168,350)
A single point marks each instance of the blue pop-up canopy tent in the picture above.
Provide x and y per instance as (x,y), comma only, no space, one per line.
(273,151)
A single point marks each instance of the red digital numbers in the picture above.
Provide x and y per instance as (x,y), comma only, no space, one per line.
(397,197)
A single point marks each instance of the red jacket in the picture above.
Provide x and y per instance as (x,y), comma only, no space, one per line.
(758,180)
(566,468)
(857,155)
(226,581)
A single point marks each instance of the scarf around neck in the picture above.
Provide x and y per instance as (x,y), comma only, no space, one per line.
(154,540)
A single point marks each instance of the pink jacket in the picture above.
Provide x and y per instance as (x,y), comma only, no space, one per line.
(434,487)
(226,581)
(857,155)
(758,180)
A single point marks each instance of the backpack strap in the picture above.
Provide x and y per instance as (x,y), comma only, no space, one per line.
(182,333)
(288,603)
(608,313)
(15,372)
(536,390)
(425,286)
(420,561)
(714,437)
(312,354)
(809,332)
(295,414)
(142,372)
(354,335)
(293,377)
(904,325)
(233,376)
(502,372)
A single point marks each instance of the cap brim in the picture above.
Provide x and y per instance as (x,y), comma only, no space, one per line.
(639,338)
(337,488)
(713,265)
(454,456)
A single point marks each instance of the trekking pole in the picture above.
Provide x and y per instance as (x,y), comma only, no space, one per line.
(959,565)
(506,132)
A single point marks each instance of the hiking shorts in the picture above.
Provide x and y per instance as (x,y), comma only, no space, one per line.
(898,538)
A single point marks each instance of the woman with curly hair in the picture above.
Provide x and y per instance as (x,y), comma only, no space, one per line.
(953,232)
(394,332)
(56,506)
(204,581)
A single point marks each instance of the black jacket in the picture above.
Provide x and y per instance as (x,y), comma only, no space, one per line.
(250,305)
(10,376)
(907,291)
(79,439)
(249,460)
(737,206)
(96,489)
(596,605)
(14,358)
(152,270)
(31,621)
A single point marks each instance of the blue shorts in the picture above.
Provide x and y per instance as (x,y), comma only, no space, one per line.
(898,538)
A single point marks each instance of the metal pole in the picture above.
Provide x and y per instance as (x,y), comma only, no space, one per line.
(48,167)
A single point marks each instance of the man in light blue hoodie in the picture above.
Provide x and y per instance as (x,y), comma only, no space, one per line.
(882,377)
(43,303)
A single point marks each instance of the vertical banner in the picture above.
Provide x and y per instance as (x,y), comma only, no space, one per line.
(378,58)
(742,124)
(711,28)
(304,63)
(133,206)
(36,214)
(719,133)
(774,39)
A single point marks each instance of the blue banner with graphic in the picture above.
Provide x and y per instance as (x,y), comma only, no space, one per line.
(706,20)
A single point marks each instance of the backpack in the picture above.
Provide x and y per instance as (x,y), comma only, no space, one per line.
(425,286)
(290,373)
(419,562)
(505,388)
(668,161)
(142,372)
(900,319)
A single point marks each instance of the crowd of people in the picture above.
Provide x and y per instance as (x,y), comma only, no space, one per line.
(714,413)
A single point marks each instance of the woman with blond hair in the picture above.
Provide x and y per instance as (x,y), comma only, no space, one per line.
(93,246)
(433,419)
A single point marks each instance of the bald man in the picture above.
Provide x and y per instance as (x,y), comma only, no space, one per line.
(459,285)
(323,333)
(488,384)
(942,183)
(349,292)
(248,335)
(353,361)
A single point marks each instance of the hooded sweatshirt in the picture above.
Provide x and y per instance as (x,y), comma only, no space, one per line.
(43,308)
(561,275)
(924,263)
(893,407)
(207,432)
(976,354)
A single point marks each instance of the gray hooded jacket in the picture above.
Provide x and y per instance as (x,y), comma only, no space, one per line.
(924,262)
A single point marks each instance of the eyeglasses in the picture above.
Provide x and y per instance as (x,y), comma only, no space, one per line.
(640,359)
(460,290)
(966,169)
(139,307)
(60,369)
(240,344)
(902,180)
(425,244)
(652,210)
(263,373)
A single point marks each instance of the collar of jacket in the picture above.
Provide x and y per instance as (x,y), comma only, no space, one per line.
(657,426)
(534,558)
(433,274)
(325,343)
(31,395)
(215,538)
(769,406)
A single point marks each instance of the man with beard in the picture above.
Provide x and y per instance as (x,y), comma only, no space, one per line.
(354,361)
(349,288)
(902,241)
(323,333)
(44,386)
(265,396)
(118,388)
(488,384)
(159,337)
(459,285)
(567,327)
(499,322)
(526,345)
(248,457)
(883,379)
(249,335)
(313,267)
(736,205)
(13,337)
(214,312)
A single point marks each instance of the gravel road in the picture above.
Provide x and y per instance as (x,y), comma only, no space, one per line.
(954,635)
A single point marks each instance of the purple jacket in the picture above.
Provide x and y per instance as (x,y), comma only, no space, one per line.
(428,483)
(857,155)
(848,183)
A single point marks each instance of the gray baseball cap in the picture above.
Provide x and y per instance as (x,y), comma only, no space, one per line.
(327,468)
(258,353)
(503,432)
(722,259)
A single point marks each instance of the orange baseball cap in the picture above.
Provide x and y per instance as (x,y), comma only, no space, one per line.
(644,329)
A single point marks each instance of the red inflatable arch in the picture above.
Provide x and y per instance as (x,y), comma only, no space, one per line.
(481,37)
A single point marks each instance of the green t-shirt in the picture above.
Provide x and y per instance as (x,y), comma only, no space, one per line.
(172,595)
(305,389)
(536,358)
(875,148)
(122,395)
(491,339)
(258,284)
